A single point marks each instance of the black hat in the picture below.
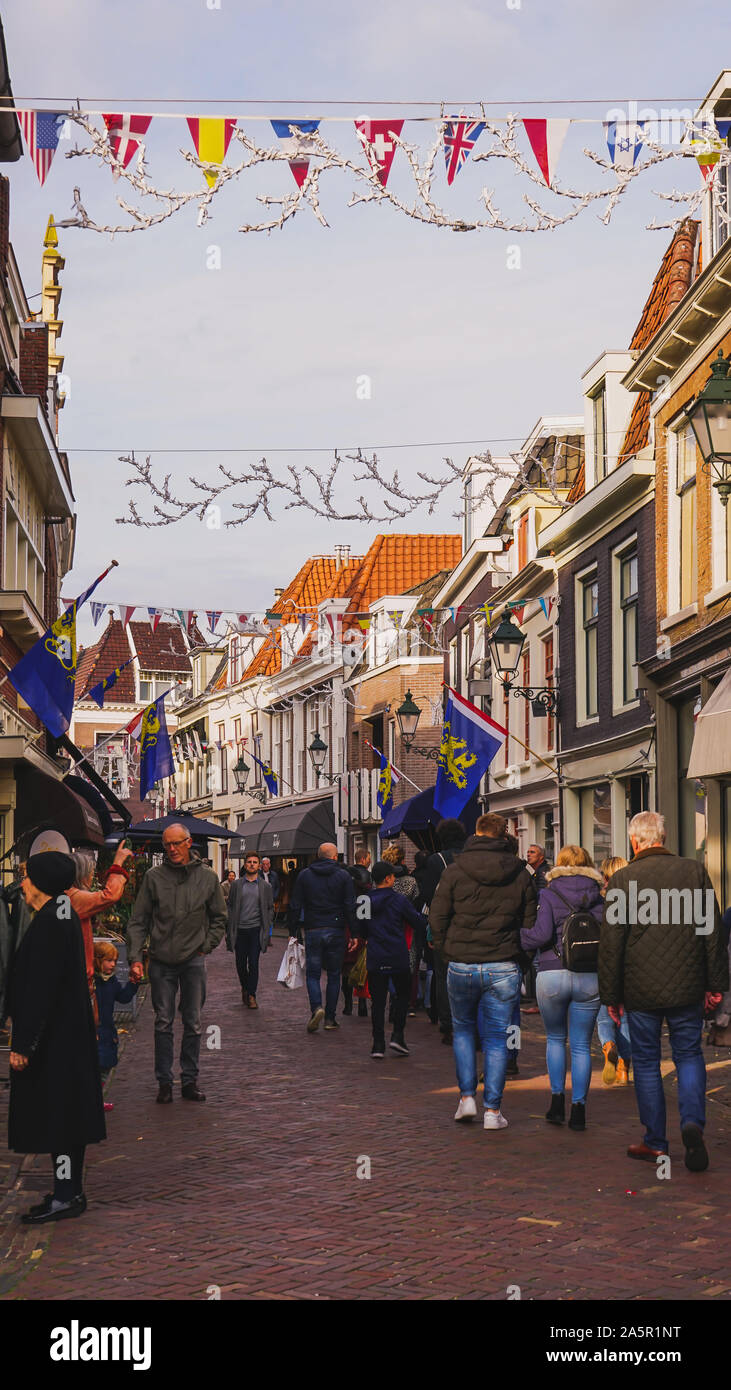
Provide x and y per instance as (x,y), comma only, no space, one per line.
(51,872)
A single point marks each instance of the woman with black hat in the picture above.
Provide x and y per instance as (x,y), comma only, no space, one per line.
(56,1102)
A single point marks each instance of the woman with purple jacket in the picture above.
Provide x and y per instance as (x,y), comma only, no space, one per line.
(568,999)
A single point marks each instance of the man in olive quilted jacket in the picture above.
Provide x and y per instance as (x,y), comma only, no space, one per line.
(662,956)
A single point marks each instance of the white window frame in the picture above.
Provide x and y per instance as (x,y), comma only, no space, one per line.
(580,579)
(619,704)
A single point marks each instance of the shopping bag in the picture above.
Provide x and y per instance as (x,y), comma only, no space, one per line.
(291,971)
(359,974)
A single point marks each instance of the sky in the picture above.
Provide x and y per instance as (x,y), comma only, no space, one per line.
(268,352)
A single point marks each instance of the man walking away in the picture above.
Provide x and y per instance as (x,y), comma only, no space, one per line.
(387,956)
(250,913)
(662,956)
(483,900)
(180,910)
(451,836)
(324,893)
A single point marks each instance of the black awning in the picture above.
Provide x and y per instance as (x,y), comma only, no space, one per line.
(46,803)
(298,829)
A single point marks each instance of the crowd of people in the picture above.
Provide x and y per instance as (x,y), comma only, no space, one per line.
(470,933)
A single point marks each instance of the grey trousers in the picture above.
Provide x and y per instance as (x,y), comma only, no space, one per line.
(165,980)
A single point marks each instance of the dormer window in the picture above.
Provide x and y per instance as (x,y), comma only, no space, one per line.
(599,417)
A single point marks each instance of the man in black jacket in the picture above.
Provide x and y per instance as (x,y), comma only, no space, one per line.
(324,896)
(662,955)
(483,900)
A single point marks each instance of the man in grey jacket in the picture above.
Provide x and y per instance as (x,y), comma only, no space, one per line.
(250,916)
(181,912)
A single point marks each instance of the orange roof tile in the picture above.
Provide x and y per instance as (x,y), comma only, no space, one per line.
(678,269)
(393,565)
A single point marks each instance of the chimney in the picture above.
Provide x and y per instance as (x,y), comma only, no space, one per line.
(278,594)
(342,556)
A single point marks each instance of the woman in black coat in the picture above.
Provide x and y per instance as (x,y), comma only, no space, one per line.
(56,1101)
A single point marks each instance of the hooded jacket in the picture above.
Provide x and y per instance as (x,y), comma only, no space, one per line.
(384,929)
(326,895)
(580,887)
(181,910)
(660,964)
(482,901)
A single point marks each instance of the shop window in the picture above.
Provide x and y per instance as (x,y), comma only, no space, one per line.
(602,824)
(588,644)
(686,491)
(691,794)
(629,606)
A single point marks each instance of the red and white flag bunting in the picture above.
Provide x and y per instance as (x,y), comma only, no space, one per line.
(546,141)
(125,613)
(125,133)
(377,139)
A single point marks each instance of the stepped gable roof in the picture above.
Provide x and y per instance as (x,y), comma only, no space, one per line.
(678,270)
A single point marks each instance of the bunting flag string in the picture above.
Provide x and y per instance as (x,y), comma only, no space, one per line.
(377,139)
(266,623)
(154,614)
(125,612)
(211,137)
(96,611)
(212,618)
(41,130)
(546,139)
(460,138)
(291,134)
(125,133)
(624,142)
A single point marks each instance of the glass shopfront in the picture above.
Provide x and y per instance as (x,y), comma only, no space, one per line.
(691,794)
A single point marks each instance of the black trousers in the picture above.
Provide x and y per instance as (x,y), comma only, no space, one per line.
(248,950)
(71,1166)
(378,986)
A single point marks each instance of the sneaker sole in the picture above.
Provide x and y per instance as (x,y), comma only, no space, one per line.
(315,1021)
(465,1119)
(402,1051)
(696,1153)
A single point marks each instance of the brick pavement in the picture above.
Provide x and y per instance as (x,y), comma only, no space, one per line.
(256,1191)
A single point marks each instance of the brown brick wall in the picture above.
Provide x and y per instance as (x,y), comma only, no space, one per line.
(34,361)
(705,616)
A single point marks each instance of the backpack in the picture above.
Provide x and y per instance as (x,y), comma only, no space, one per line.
(580,938)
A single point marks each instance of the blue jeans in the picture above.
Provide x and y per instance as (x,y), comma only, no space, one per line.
(685,1027)
(609,1032)
(324,950)
(569,1004)
(165,980)
(482,998)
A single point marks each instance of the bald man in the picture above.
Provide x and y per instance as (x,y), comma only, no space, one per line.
(322,907)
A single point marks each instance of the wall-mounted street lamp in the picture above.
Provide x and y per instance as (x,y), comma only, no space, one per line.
(408,715)
(241,771)
(318,753)
(709,416)
(506,646)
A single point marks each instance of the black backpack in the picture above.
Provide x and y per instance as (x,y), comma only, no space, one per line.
(580,938)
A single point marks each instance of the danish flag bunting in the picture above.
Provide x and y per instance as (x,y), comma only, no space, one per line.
(460,138)
(125,133)
(546,141)
(287,132)
(125,612)
(41,130)
(211,137)
(377,139)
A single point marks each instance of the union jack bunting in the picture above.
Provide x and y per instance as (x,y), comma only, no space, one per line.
(460,138)
(41,130)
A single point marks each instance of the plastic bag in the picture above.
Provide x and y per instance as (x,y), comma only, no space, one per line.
(359,973)
(291,971)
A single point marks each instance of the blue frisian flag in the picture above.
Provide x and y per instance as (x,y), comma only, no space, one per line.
(270,777)
(156,755)
(98,691)
(45,676)
(470,741)
(384,797)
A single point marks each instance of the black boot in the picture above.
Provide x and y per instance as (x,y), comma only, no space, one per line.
(348,997)
(578,1116)
(557,1112)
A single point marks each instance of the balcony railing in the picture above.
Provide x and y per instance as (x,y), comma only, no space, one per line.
(357,796)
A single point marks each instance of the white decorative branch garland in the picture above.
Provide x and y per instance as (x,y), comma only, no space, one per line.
(323,158)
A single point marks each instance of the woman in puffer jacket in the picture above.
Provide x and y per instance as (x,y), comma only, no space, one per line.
(568,999)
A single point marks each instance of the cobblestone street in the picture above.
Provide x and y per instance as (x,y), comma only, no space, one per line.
(256,1192)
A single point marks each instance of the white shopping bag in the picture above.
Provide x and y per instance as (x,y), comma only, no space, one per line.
(291,971)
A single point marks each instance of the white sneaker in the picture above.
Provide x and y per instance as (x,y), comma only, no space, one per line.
(494,1119)
(467,1109)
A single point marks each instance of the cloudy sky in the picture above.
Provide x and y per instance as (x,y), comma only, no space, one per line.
(264,354)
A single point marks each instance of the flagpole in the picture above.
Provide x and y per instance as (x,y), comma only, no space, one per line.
(396,769)
(510,735)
